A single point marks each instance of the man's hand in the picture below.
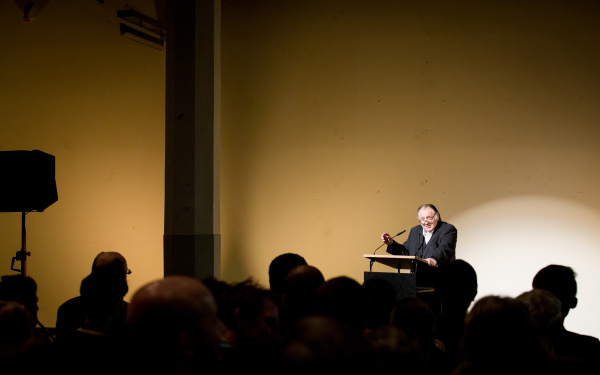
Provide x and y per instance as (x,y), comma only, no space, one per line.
(432,262)
(387,239)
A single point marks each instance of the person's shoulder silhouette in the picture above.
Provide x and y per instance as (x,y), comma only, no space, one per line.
(561,281)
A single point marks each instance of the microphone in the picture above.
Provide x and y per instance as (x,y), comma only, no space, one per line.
(392,238)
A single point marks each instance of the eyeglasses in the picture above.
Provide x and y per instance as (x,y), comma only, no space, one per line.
(428,219)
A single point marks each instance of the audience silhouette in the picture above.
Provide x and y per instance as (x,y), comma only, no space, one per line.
(456,288)
(345,299)
(24,348)
(300,295)
(416,319)
(101,298)
(15,326)
(382,298)
(172,328)
(90,326)
(21,289)
(500,338)
(545,310)
(278,270)
(301,323)
(216,286)
(320,344)
(252,340)
(560,281)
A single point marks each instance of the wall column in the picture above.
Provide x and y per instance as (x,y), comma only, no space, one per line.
(192,243)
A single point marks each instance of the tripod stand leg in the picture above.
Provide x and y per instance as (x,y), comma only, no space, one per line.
(21,254)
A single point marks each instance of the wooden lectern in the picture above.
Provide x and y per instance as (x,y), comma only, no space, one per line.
(412,276)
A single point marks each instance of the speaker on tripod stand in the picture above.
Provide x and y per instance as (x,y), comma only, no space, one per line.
(27,184)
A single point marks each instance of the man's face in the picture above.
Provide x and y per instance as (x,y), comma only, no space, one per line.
(428,219)
(263,331)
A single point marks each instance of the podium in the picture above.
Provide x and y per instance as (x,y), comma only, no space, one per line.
(412,274)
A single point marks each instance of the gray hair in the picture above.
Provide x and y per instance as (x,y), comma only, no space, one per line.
(429,205)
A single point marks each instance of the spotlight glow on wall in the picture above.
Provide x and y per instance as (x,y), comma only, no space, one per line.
(509,240)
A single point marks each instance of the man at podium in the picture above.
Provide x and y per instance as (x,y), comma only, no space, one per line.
(433,240)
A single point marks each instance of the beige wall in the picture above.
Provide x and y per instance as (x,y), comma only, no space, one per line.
(341,117)
(338,119)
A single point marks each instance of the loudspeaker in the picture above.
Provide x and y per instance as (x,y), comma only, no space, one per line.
(26,181)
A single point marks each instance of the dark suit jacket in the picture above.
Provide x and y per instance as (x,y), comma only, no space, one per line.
(582,347)
(441,246)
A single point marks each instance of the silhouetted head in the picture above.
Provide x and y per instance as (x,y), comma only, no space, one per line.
(279,268)
(108,278)
(560,281)
(249,312)
(22,289)
(324,345)
(545,310)
(345,299)
(300,296)
(216,286)
(500,336)
(456,284)
(303,277)
(111,259)
(174,320)
(414,317)
(382,297)
(15,325)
